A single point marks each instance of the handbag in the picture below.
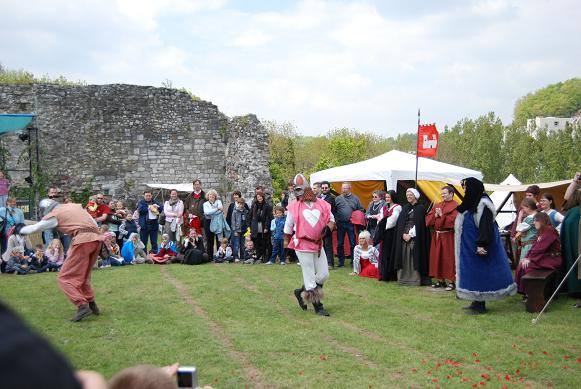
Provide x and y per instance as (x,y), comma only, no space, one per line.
(161,219)
(3,223)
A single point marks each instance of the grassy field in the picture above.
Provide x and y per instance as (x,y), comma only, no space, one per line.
(241,327)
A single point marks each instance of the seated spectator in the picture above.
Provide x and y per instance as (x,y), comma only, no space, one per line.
(224,253)
(39,261)
(547,204)
(17,263)
(365,257)
(526,232)
(133,250)
(14,240)
(55,254)
(115,218)
(239,225)
(278,234)
(128,227)
(167,251)
(191,251)
(250,255)
(114,259)
(544,254)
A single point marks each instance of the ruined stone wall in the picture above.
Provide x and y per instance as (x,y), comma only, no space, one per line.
(116,138)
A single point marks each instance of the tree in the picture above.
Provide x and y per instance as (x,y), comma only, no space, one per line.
(282,152)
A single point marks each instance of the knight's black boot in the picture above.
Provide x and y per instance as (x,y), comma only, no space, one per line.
(94,308)
(320,310)
(478,308)
(298,295)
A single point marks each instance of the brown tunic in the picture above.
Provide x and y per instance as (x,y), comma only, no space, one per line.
(75,221)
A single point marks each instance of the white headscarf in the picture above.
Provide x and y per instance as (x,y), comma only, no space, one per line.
(415,192)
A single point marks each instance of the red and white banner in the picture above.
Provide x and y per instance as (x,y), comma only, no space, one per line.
(427,140)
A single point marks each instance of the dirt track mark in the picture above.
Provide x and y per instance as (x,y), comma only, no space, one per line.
(253,374)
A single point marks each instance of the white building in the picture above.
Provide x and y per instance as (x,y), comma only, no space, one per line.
(550,123)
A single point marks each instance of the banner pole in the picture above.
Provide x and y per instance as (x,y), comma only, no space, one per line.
(417,145)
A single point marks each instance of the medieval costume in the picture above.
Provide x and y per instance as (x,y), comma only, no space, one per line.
(442,262)
(308,221)
(384,234)
(544,254)
(75,274)
(571,241)
(411,247)
(482,269)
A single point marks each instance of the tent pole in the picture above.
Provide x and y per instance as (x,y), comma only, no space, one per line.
(417,140)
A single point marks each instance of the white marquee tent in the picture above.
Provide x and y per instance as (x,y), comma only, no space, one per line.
(499,196)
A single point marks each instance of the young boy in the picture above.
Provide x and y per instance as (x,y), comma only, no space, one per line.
(238,224)
(224,253)
(278,234)
(38,261)
(250,254)
(17,263)
(128,226)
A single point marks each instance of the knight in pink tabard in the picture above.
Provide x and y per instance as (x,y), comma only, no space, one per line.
(308,221)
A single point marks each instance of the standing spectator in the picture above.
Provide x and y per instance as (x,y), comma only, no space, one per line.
(194,210)
(571,235)
(289,195)
(213,208)
(173,210)
(10,216)
(328,239)
(260,217)
(526,232)
(115,218)
(4,189)
(148,210)
(442,260)
(373,212)
(346,204)
(545,254)
(385,233)
(547,204)
(235,196)
(483,272)
(412,243)
(316,187)
(50,234)
(239,224)
(278,231)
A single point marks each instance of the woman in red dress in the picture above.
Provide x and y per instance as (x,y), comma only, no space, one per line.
(545,253)
(365,257)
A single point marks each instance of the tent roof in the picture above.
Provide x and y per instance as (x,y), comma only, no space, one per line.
(522,188)
(14,122)
(179,187)
(394,166)
(499,196)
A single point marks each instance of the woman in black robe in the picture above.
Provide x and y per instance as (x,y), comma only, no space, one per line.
(384,234)
(411,247)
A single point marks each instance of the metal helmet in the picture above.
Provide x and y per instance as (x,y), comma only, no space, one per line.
(46,205)
(300,182)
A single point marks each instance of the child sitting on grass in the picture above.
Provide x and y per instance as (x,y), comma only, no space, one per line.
(55,254)
(128,227)
(250,255)
(224,253)
(133,251)
(39,261)
(167,251)
(17,263)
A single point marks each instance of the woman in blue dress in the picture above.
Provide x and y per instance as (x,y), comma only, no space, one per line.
(482,268)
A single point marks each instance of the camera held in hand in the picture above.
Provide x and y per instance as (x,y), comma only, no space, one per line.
(187,377)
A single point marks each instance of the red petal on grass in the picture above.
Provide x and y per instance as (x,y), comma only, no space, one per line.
(474,385)
(485,376)
(547,353)
(323,357)
(528,385)
(578,360)
(566,357)
(434,380)
(507,377)
(482,383)
(448,377)
(531,353)
(521,379)
(414,370)
(459,372)
(504,387)
(477,360)
(438,365)
(475,355)
(550,385)
(566,367)
(465,379)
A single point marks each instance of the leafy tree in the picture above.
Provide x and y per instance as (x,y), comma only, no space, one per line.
(282,152)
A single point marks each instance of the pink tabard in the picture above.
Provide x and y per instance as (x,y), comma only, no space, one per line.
(309,223)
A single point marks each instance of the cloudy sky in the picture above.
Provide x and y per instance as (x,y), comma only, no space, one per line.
(319,64)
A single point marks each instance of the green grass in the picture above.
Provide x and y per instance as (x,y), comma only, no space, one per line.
(241,327)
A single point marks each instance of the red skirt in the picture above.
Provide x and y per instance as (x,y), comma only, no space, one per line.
(368,269)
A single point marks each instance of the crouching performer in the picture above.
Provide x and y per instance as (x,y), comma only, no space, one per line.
(75,274)
(308,221)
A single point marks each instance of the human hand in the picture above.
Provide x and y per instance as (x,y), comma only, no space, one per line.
(406,237)
(577,178)
(481,251)
(525,263)
(171,370)
(91,379)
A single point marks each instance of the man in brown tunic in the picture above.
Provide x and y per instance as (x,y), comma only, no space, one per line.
(75,275)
